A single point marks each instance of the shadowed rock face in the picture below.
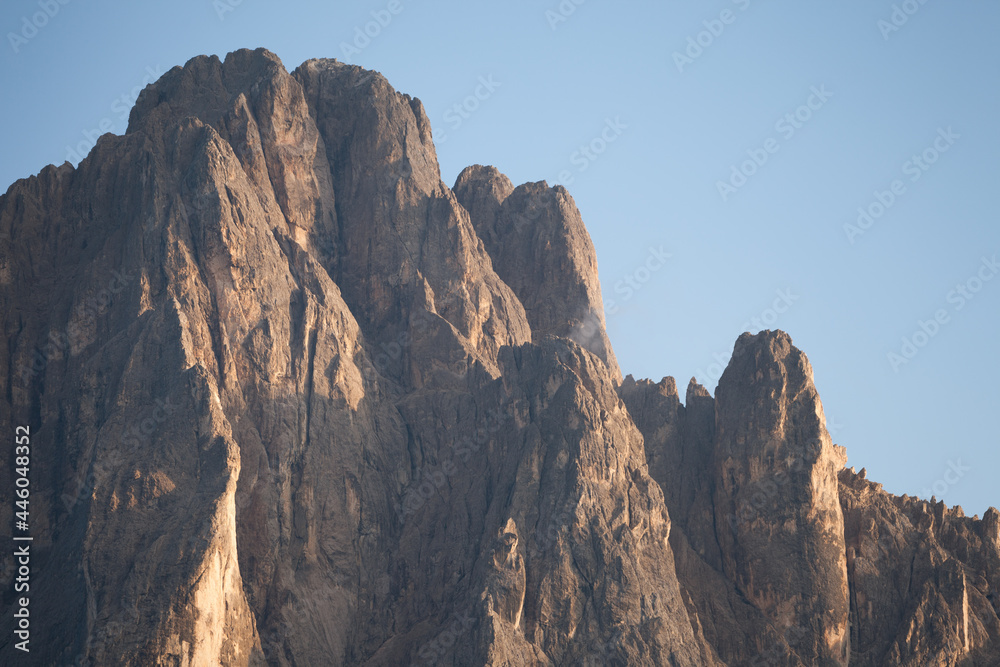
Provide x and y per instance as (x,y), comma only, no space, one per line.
(540,247)
(294,401)
(800,561)
(773,454)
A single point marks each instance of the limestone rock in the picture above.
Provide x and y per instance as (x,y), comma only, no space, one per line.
(294,401)
(924,579)
(540,247)
(778,515)
(792,533)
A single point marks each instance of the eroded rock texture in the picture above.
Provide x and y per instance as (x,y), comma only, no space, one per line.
(784,556)
(294,401)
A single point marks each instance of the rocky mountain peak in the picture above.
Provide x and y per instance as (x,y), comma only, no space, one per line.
(293,400)
(695,392)
(539,246)
(778,472)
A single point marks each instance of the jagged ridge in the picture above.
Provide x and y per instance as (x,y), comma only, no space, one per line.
(295,401)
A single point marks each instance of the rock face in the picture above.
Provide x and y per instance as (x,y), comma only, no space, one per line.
(540,247)
(938,606)
(787,558)
(294,401)
(782,540)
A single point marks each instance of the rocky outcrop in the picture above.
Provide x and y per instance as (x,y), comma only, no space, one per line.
(540,247)
(753,483)
(680,437)
(294,401)
(782,535)
(924,579)
(804,562)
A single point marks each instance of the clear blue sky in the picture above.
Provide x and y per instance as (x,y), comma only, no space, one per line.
(879,96)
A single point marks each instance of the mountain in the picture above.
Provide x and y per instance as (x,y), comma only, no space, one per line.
(294,401)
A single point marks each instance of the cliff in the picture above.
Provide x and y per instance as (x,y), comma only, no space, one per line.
(295,401)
